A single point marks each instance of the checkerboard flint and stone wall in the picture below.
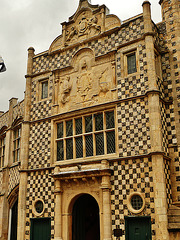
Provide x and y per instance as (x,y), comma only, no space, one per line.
(137,84)
(40,109)
(175,173)
(13,178)
(129,176)
(40,185)
(18,110)
(133,127)
(4,120)
(39,145)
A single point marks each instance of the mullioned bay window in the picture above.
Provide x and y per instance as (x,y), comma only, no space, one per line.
(86,136)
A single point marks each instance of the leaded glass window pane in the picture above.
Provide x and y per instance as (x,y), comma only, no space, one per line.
(18,143)
(69,128)
(60,150)
(44,90)
(88,124)
(18,151)
(109,120)
(89,145)
(60,130)
(99,144)
(98,121)
(79,147)
(69,148)
(78,123)
(39,206)
(131,63)
(136,202)
(110,142)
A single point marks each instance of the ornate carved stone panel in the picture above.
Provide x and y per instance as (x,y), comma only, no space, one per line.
(87,83)
(86,26)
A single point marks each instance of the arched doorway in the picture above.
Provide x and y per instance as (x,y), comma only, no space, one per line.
(85,219)
(13,221)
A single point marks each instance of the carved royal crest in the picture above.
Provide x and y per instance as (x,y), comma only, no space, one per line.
(84,85)
(86,26)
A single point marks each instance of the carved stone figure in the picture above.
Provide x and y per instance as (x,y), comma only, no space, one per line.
(66,88)
(71,34)
(84,85)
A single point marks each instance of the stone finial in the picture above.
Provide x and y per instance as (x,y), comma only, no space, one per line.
(147,16)
(30,60)
(13,101)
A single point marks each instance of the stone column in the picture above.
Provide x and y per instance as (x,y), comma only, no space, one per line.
(160,196)
(155,131)
(106,201)
(24,151)
(58,210)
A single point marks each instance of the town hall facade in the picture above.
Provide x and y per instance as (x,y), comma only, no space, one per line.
(93,150)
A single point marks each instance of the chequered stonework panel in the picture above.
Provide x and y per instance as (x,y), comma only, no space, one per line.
(133,127)
(40,108)
(136,84)
(131,176)
(39,145)
(164,128)
(1,181)
(40,186)
(129,32)
(166,74)
(13,178)
(170,116)
(18,110)
(168,181)
(176,170)
(4,120)
(160,86)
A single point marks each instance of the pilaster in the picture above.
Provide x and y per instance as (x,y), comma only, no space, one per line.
(58,210)
(24,151)
(106,195)
(160,198)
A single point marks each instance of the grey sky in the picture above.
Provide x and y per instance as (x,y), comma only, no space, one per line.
(36,23)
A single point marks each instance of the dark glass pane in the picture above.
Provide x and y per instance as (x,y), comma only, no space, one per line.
(110,142)
(78,126)
(69,148)
(89,145)
(136,202)
(69,128)
(44,90)
(39,206)
(98,121)
(88,124)
(131,62)
(60,150)
(79,147)
(109,120)
(14,156)
(60,130)
(99,144)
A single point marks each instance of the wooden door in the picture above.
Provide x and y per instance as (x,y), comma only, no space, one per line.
(41,229)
